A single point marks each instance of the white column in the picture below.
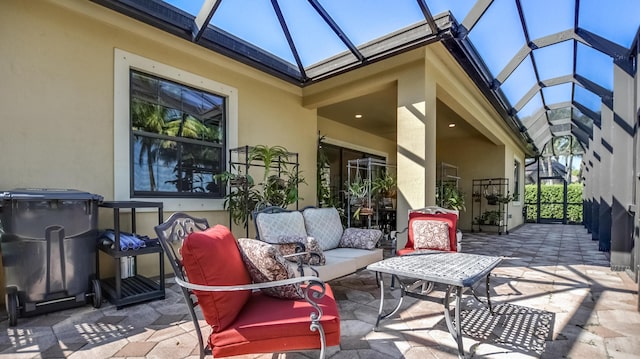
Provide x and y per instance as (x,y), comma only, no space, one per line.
(416,115)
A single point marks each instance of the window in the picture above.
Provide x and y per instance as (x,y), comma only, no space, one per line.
(516,181)
(177,139)
(175,159)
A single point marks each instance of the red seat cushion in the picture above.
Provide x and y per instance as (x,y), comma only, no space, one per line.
(268,325)
(449,218)
(212,257)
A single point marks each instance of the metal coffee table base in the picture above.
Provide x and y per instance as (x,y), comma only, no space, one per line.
(454,326)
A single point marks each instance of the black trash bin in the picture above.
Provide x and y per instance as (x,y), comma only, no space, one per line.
(48,242)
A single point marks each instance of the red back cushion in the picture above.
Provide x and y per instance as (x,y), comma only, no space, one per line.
(212,257)
(449,218)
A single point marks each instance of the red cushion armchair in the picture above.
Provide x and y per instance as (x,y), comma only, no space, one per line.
(420,235)
(243,319)
(432,228)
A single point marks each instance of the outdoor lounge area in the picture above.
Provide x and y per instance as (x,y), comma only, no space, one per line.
(554,297)
(437,145)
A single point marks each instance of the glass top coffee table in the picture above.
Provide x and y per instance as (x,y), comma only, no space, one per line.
(459,271)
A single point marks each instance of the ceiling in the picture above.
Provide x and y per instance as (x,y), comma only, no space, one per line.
(378,110)
(545,65)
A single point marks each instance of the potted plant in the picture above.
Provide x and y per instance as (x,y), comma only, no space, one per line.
(383,188)
(358,193)
(492,198)
(490,218)
(505,199)
(450,197)
(277,187)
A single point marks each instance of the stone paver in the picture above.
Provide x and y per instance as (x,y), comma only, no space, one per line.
(554,295)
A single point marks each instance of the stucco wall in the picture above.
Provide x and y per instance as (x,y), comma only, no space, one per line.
(357,139)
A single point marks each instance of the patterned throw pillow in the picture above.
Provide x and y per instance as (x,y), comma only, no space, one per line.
(431,234)
(266,264)
(274,226)
(360,238)
(311,245)
(324,225)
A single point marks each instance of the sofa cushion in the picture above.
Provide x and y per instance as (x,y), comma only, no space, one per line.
(335,267)
(273,227)
(360,258)
(430,234)
(266,264)
(324,225)
(311,245)
(260,326)
(361,238)
(212,257)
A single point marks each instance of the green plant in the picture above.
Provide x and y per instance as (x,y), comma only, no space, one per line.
(267,155)
(498,198)
(489,217)
(323,189)
(241,198)
(450,197)
(277,187)
(358,193)
(553,193)
(384,186)
(492,198)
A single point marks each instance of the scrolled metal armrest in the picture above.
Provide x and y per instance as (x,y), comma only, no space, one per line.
(299,254)
(231,288)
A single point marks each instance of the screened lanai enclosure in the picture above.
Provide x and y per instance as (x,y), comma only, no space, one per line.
(562,74)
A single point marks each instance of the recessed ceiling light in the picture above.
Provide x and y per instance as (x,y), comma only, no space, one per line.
(451,125)
(358,116)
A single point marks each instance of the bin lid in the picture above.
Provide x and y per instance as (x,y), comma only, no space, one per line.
(48,194)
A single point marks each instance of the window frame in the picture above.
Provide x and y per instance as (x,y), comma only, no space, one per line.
(124,62)
(517,180)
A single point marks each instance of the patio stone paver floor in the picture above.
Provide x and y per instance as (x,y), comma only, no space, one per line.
(554,295)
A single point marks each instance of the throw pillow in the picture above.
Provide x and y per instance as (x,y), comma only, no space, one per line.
(431,234)
(324,225)
(450,218)
(272,226)
(265,264)
(212,257)
(311,246)
(360,238)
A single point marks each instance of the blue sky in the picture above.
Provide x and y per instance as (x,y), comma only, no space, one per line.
(498,36)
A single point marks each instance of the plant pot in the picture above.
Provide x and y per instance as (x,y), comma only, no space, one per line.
(366,211)
(492,200)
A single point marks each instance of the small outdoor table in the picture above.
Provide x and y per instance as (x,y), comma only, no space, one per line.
(457,270)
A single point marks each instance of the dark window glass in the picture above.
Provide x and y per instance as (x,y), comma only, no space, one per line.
(516,180)
(177,139)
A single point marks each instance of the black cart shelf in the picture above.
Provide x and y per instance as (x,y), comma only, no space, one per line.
(487,211)
(136,288)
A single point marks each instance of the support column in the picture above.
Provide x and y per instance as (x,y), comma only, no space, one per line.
(586,198)
(596,175)
(622,181)
(604,151)
(416,115)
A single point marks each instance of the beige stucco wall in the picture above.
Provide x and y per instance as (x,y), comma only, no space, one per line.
(340,134)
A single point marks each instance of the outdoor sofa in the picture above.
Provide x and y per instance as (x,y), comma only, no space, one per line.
(340,251)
